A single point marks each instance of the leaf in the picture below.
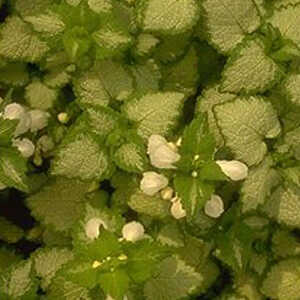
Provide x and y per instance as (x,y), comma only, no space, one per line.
(249,70)
(100,6)
(14,74)
(258,185)
(146,44)
(183,76)
(168,17)
(174,280)
(282,281)
(292,139)
(285,243)
(7,130)
(155,113)
(290,88)
(48,261)
(9,232)
(18,282)
(283,206)
(115,284)
(143,257)
(205,104)
(57,77)
(228,21)
(39,96)
(67,290)
(13,169)
(170,235)
(59,203)
(8,258)
(292,174)
(287,21)
(193,193)
(19,42)
(46,23)
(81,158)
(131,157)
(153,206)
(197,140)
(147,77)
(27,8)
(244,124)
(284,3)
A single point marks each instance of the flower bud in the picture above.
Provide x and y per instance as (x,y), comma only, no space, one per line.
(63,117)
(15,111)
(234,169)
(92,227)
(214,207)
(133,231)
(152,183)
(177,210)
(167,193)
(25,146)
(39,119)
(162,155)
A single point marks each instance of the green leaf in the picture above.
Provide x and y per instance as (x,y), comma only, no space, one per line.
(193,193)
(59,203)
(67,290)
(282,281)
(283,206)
(19,42)
(13,169)
(285,243)
(205,104)
(290,87)
(284,3)
(183,76)
(244,124)
(292,139)
(14,74)
(147,77)
(100,6)
(27,8)
(146,44)
(174,280)
(7,130)
(211,171)
(258,185)
(168,17)
(48,261)
(287,21)
(8,258)
(171,235)
(228,21)
(39,96)
(153,206)
(46,23)
(115,284)
(18,282)
(81,158)
(9,232)
(197,140)
(131,157)
(143,257)
(292,174)
(250,61)
(57,77)
(155,113)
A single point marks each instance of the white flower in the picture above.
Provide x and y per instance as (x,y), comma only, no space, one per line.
(133,231)
(153,182)
(92,227)
(162,155)
(177,210)
(15,111)
(39,119)
(214,207)
(234,169)
(25,146)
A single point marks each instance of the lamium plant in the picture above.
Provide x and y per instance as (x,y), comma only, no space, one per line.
(155,147)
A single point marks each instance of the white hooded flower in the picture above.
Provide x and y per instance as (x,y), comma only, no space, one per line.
(162,155)
(25,146)
(39,119)
(152,183)
(177,210)
(15,111)
(234,169)
(214,207)
(133,231)
(92,227)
